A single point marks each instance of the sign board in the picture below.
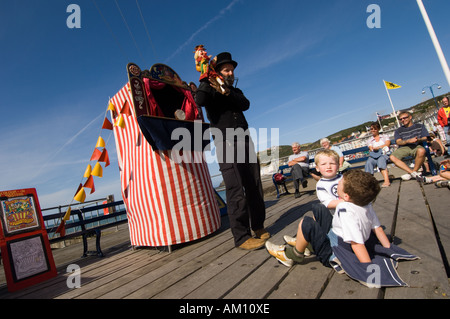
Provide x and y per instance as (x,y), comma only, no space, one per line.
(25,249)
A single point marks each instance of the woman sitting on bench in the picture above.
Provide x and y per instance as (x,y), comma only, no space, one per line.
(378,147)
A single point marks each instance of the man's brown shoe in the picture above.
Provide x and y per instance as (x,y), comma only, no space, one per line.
(262,233)
(252,244)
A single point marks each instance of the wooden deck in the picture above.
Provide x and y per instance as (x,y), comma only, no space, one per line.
(211,268)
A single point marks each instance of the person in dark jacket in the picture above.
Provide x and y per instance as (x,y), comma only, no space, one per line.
(225,106)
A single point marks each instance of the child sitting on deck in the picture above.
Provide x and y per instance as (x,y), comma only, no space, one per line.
(441,180)
(327,163)
(351,240)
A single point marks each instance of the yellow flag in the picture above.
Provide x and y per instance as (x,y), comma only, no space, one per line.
(80,196)
(111,107)
(120,122)
(390,85)
(67,215)
(88,171)
(100,142)
(98,170)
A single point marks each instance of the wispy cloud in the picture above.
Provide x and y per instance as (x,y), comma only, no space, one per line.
(292,102)
(202,28)
(70,141)
(331,119)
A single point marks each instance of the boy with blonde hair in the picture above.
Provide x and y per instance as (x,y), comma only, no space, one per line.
(327,163)
(354,242)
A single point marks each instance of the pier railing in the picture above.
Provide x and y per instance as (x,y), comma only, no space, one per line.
(85,222)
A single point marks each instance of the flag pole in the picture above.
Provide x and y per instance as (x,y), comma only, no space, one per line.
(379,121)
(387,91)
(435,41)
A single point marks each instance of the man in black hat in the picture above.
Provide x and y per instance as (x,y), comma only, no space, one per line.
(235,153)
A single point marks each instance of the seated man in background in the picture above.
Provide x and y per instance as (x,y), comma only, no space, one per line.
(409,138)
(299,163)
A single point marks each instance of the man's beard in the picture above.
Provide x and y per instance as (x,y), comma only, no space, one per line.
(228,80)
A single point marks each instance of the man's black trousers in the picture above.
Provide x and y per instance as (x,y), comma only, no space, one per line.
(244,193)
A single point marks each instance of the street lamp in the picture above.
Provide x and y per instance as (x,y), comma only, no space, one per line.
(431,90)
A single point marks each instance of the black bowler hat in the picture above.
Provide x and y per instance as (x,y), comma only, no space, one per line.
(224,57)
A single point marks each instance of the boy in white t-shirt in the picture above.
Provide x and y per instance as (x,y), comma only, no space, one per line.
(327,163)
(354,241)
(353,221)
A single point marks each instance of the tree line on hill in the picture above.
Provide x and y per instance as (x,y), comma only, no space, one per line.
(286,150)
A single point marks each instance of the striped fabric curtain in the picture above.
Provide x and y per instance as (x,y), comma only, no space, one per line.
(167,202)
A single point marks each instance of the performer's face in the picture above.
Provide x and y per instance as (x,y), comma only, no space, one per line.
(227,71)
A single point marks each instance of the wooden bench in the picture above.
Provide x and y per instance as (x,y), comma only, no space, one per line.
(84,227)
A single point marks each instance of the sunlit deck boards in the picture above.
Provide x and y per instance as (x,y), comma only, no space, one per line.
(212,268)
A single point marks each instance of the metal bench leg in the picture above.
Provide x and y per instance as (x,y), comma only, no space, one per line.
(85,246)
(98,234)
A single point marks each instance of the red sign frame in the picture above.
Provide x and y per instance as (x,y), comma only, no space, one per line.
(26,252)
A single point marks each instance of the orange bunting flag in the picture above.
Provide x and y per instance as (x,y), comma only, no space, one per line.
(80,196)
(100,142)
(107,124)
(67,215)
(125,109)
(120,122)
(104,157)
(61,228)
(98,170)
(90,184)
(96,155)
(88,170)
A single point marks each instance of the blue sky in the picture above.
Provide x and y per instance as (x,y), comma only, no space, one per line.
(309,68)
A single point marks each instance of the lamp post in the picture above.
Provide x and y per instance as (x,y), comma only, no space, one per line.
(431,90)
(435,40)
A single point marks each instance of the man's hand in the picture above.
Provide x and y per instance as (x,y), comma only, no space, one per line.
(221,88)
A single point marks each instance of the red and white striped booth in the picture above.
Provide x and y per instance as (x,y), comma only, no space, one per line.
(167,202)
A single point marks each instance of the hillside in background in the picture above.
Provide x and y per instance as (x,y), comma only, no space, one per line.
(286,150)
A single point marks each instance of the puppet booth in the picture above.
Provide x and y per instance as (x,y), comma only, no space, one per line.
(165,182)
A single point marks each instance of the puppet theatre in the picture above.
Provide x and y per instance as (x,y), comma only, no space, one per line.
(168,201)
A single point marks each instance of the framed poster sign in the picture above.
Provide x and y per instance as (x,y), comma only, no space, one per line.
(25,248)
(27,257)
(18,215)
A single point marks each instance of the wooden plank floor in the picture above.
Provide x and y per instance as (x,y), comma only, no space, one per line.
(212,268)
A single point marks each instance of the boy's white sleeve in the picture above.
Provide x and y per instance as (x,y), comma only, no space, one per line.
(375,221)
(326,190)
(324,197)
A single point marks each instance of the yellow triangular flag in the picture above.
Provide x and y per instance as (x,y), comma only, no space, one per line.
(88,171)
(80,196)
(120,122)
(111,107)
(98,170)
(67,215)
(390,85)
(100,142)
